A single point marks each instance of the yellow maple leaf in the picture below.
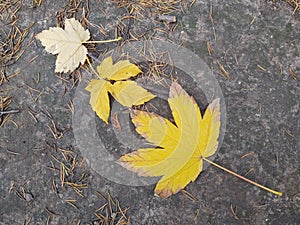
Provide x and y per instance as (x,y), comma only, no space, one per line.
(181,147)
(126,92)
(67,43)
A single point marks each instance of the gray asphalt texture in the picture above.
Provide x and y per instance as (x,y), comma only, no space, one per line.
(257,43)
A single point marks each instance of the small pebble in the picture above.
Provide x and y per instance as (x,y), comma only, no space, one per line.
(167,18)
(29,197)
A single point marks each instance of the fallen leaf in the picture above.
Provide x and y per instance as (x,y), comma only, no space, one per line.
(121,70)
(67,43)
(129,93)
(99,98)
(113,80)
(179,148)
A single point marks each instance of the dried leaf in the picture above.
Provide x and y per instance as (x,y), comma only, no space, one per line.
(129,93)
(67,44)
(99,98)
(180,150)
(126,92)
(122,70)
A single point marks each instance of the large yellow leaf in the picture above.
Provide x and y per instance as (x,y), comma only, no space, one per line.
(67,44)
(180,150)
(113,80)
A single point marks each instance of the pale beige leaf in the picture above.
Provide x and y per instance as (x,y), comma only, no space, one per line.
(67,44)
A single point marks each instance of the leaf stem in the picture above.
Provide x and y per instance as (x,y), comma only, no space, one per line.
(92,68)
(243,178)
(101,42)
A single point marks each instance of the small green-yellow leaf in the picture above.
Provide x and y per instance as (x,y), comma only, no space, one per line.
(129,93)
(122,70)
(99,98)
